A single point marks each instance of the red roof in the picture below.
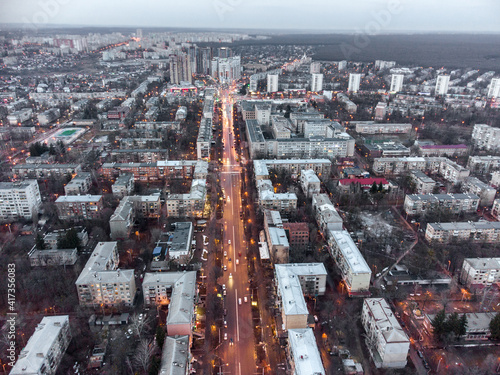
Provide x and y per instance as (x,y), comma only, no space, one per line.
(363,181)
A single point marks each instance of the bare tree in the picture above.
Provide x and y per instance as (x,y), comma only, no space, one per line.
(137,325)
(143,354)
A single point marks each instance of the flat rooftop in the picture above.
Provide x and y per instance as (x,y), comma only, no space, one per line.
(306,356)
(350,251)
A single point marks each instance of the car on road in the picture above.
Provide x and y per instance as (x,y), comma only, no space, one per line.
(239,254)
(237,261)
(225,254)
(225,267)
(231,341)
(225,335)
(225,312)
(225,323)
(229,259)
(420,354)
(230,275)
(239,301)
(224,292)
(223,286)
(229,242)
(245,299)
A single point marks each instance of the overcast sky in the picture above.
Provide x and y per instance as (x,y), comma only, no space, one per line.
(371,15)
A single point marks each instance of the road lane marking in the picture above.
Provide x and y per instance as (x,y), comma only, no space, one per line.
(237,318)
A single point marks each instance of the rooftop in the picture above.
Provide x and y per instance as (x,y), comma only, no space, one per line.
(292,296)
(350,251)
(78,198)
(385,320)
(175,355)
(306,356)
(484,263)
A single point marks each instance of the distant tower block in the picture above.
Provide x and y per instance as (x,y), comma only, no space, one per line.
(442,85)
(397,83)
(354,81)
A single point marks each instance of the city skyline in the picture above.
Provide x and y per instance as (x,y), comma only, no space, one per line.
(373,17)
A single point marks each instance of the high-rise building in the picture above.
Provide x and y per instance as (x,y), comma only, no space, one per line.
(224,52)
(354,81)
(442,85)
(205,57)
(397,82)
(315,67)
(193,53)
(342,65)
(317,82)
(19,200)
(380,111)
(272,83)
(138,33)
(180,68)
(494,91)
(226,69)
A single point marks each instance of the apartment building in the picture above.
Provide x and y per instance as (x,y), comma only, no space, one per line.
(123,185)
(304,357)
(268,199)
(486,193)
(177,245)
(495,179)
(155,171)
(52,257)
(443,150)
(137,155)
(335,144)
(79,207)
(416,204)
(204,140)
(495,210)
(19,200)
(355,272)
(355,185)
(101,282)
(321,167)
(423,183)
(276,238)
(481,231)
(486,137)
(45,348)
(387,342)
(45,170)
(310,183)
(372,127)
(480,272)
(122,220)
(483,164)
(298,235)
(326,215)
(290,295)
(80,184)
(176,356)
(178,290)
(450,170)
(188,205)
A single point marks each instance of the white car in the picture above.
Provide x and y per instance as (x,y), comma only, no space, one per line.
(239,301)
(225,254)
(225,335)
(229,242)
(223,286)
(237,261)
(245,299)
(230,275)
(225,267)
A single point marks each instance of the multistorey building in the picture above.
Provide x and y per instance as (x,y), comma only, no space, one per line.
(494,89)
(102,283)
(316,82)
(442,84)
(176,356)
(19,200)
(80,184)
(483,164)
(188,205)
(354,82)
(79,207)
(325,213)
(272,82)
(423,183)
(310,182)
(482,231)
(292,282)
(443,150)
(277,241)
(304,357)
(416,204)
(322,167)
(447,168)
(480,272)
(371,127)
(178,290)
(45,348)
(495,210)
(396,83)
(158,170)
(204,139)
(486,137)
(486,193)
(45,170)
(268,199)
(123,185)
(355,272)
(387,342)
